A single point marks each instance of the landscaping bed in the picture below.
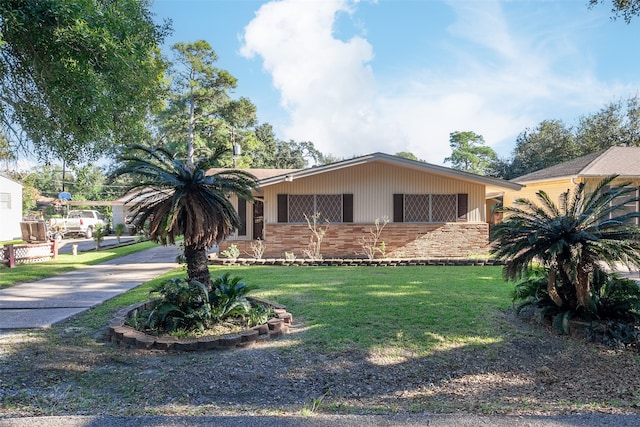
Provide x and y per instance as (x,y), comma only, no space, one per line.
(126,336)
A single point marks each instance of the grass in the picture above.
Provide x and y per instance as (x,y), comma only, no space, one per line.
(30,272)
(365,340)
(390,310)
(414,309)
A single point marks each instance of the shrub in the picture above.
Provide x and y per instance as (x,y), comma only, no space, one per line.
(570,239)
(98,235)
(119,230)
(188,306)
(233,252)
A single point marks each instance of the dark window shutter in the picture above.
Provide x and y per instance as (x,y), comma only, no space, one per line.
(242,213)
(283,208)
(347,208)
(398,208)
(463,207)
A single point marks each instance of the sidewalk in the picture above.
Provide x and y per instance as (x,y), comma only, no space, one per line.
(45,302)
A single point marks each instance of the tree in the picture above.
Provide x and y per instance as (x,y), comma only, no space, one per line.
(6,153)
(179,199)
(550,143)
(407,155)
(571,239)
(626,9)
(78,78)
(469,154)
(617,123)
(200,114)
(48,180)
(89,183)
(274,153)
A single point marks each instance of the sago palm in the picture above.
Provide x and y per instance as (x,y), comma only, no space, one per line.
(586,228)
(179,200)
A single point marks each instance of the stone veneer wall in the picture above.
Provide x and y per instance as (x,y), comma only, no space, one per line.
(403,240)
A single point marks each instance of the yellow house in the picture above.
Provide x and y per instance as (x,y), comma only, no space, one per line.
(590,169)
(433,211)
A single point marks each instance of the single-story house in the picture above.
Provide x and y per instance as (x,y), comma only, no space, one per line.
(433,211)
(590,169)
(10,209)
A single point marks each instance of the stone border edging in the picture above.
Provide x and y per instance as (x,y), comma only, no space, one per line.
(354,262)
(126,336)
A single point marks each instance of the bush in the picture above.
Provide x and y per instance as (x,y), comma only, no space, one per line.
(615,301)
(188,306)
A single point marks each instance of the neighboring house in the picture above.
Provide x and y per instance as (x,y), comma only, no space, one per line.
(433,211)
(590,169)
(10,209)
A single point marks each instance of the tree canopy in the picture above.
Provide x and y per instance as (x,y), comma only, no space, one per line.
(469,153)
(626,9)
(200,114)
(77,77)
(272,152)
(552,142)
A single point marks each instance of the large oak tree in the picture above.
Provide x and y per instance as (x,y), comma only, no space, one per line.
(77,77)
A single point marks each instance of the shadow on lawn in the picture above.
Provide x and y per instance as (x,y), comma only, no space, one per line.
(66,371)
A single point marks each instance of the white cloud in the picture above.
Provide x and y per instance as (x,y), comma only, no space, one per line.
(505,78)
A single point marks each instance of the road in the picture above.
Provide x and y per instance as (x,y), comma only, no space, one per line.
(65,246)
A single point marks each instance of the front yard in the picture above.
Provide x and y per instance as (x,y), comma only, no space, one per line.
(364,340)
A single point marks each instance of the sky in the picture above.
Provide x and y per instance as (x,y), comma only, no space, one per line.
(358,77)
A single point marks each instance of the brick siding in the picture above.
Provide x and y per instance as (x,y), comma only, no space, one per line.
(448,240)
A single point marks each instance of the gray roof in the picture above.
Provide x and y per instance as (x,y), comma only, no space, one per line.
(623,161)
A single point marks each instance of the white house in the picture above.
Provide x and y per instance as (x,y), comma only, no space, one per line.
(10,209)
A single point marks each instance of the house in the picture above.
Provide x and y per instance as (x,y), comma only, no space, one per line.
(433,211)
(590,169)
(10,209)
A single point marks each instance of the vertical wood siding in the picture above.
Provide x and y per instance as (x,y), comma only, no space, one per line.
(373,186)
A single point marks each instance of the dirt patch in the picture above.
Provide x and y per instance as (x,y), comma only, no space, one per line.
(531,371)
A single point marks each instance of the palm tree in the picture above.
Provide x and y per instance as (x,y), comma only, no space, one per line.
(570,240)
(179,200)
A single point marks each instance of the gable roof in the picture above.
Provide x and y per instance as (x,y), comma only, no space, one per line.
(495,184)
(11,180)
(623,161)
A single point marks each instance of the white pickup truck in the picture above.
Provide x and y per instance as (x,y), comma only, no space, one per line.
(79,222)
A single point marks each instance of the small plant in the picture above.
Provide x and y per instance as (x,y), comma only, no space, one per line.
(233,252)
(258,315)
(258,247)
(119,230)
(183,305)
(289,256)
(98,235)
(317,235)
(370,245)
(228,297)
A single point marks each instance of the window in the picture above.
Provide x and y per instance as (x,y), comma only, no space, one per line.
(628,207)
(430,207)
(334,208)
(5,200)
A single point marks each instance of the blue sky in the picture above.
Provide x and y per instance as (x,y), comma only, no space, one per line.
(356,77)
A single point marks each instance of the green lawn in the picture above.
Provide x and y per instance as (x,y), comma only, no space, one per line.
(415,309)
(30,272)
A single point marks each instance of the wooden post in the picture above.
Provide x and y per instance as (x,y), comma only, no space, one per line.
(54,248)
(11,256)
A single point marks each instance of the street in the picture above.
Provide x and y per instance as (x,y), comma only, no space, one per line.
(65,246)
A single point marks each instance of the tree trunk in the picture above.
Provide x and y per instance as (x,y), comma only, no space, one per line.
(583,287)
(551,288)
(197,265)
